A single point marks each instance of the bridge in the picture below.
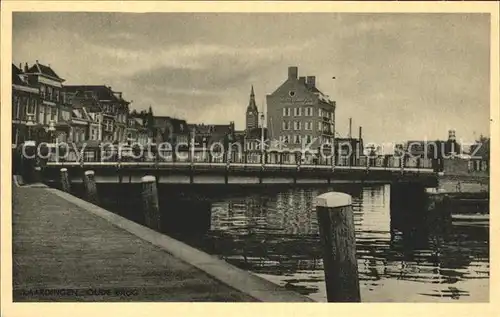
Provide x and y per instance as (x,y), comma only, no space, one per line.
(247,168)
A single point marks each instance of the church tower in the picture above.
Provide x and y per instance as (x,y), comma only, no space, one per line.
(252,117)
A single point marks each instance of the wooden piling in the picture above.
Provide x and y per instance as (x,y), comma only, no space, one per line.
(65,184)
(336,227)
(90,187)
(151,207)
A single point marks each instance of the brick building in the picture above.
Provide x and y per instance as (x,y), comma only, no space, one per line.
(298,112)
(51,107)
(25,99)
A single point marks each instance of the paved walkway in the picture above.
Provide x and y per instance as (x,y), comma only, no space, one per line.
(62,252)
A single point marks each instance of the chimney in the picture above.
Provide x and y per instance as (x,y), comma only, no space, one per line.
(25,67)
(451,135)
(293,72)
(302,80)
(360,133)
(21,66)
(311,81)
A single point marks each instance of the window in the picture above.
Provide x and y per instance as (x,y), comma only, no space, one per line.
(320,112)
(41,114)
(53,114)
(65,115)
(308,138)
(309,125)
(297,125)
(297,139)
(286,112)
(48,112)
(286,125)
(56,92)
(33,105)
(49,92)
(16,111)
(320,126)
(42,91)
(285,139)
(309,111)
(297,112)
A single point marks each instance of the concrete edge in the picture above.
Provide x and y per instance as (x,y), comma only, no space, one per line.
(241,280)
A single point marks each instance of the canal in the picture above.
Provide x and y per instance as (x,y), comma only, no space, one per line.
(406,254)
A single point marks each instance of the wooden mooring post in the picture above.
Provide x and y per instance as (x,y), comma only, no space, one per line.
(336,228)
(65,184)
(90,187)
(150,204)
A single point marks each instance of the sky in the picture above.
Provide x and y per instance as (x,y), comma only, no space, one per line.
(401,76)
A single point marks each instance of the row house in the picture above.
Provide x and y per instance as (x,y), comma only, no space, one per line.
(172,130)
(25,99)
(86,116)
(37,103)
(110,108)
(137,130)
(51,109)
(208,134)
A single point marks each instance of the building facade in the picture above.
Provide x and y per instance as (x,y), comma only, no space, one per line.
(172,130)
(25,100)
(299,113)
(49,110)
(113,110)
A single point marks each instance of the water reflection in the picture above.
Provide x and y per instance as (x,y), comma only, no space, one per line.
(404,253)
(275,234)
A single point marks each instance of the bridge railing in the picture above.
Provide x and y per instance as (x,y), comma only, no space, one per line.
(95,155)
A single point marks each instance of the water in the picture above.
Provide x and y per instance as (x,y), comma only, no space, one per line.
(403,256)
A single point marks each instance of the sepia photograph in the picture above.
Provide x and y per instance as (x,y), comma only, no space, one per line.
(317,157)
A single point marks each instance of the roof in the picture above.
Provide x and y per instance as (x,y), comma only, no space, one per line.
(41,69)
(82,99)
(16,76)
(178,125)
(102,92)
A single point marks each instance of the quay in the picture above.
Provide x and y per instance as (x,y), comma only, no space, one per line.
(66,249)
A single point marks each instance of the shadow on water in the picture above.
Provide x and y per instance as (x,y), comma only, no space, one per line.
(272,231)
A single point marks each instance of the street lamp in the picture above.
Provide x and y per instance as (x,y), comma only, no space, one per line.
(30,123)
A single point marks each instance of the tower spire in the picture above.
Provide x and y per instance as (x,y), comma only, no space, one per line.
(252,106)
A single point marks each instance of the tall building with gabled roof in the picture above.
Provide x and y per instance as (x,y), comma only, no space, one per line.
(298,112)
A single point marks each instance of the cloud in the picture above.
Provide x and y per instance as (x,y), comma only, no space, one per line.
(399,75)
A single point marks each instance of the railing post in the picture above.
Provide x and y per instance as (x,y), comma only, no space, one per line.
(337,235)
(90,187)
(150,204)
(65,183)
